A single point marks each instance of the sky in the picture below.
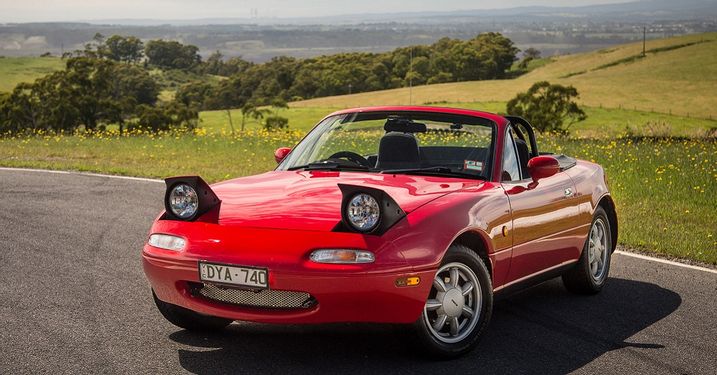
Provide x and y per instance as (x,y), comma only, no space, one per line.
(88,10)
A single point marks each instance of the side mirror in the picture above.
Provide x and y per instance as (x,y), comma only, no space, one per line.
(281,153)
(543,166)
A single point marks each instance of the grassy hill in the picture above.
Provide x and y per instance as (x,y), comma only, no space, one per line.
(14,70)
(678,75)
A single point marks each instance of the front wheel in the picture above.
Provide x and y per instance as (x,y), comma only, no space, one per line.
(188,319)
(459,305)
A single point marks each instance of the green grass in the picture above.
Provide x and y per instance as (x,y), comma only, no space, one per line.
(14,70)
(664,189)
(601,122)
(215,157)
(299,119)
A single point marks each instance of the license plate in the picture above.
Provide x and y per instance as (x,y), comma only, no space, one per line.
(234,275)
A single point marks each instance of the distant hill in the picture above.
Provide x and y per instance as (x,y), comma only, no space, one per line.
(628,10)
(677,75)
(552,30)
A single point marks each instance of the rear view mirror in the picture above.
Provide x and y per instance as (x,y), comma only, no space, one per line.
(281,153)
(543,166)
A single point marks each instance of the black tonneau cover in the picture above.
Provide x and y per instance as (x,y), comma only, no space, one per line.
(566,162)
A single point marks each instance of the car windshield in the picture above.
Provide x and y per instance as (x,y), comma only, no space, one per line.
(398,142)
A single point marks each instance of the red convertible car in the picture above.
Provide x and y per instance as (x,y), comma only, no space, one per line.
(415,215)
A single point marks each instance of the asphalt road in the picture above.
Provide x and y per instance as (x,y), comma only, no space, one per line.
(73,299)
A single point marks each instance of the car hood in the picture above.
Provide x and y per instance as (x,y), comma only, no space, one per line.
(311,200)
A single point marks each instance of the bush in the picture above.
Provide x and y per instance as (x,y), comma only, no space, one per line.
(547,107)
(275,122)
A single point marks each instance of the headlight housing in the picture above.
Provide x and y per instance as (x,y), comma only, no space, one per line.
(367,210)
(363,212)
(342,256)
(183,201)
(189,198)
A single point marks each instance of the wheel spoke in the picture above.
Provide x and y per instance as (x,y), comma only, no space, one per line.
(440,322)
(467,311)
(593,267)
(454,276)
(439,284)
(454,326)
(433,304)
(466,288)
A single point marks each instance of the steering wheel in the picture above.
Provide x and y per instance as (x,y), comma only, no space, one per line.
(352,157)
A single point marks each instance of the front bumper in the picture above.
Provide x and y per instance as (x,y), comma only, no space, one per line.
(342,293)
(349,298)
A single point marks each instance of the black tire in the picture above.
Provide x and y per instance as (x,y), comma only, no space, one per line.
(581,279)
(428,338)
(188,319)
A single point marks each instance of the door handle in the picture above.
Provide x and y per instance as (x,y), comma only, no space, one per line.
(568,192)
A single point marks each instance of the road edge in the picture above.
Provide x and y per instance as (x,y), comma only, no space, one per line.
(678,262)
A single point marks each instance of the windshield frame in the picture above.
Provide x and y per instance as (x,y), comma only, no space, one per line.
(470,120)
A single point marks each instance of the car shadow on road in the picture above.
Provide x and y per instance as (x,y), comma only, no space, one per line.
(544,329)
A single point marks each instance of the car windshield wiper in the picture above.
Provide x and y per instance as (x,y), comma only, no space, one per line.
(443,171)
(328,165)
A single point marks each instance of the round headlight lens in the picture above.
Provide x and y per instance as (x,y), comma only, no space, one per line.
(363,212)
(183,201)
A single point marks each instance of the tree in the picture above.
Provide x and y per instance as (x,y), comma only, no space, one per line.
(216,65)
(129,87)
(529,55)
(172,54)
(532,53)
(487,56)
(89,90)
(195,94)
(172,116)
(20,110)
(125,49)
(249,110)
(547,107)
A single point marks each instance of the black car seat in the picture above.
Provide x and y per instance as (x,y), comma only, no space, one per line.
(523,156)
(398,150)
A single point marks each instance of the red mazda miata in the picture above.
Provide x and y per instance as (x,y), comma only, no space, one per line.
(415,215)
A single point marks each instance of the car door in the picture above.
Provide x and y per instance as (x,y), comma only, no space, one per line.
(544,215)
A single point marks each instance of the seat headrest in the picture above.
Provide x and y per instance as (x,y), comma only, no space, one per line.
(398,150)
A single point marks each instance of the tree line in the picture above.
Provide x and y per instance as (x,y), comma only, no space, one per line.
(106,83)
(487,56)
(110,81)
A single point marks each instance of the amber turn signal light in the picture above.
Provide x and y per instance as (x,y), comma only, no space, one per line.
(408,281)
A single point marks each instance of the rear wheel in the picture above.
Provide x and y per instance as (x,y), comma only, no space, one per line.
(188,319)
(459,305)
(591,272)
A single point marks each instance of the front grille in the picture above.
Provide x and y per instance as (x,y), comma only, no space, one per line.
(265,298)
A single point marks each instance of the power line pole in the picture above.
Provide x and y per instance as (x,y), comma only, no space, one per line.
(410,78)
(644,36)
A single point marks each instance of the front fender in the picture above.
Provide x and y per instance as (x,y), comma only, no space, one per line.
(424,235)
